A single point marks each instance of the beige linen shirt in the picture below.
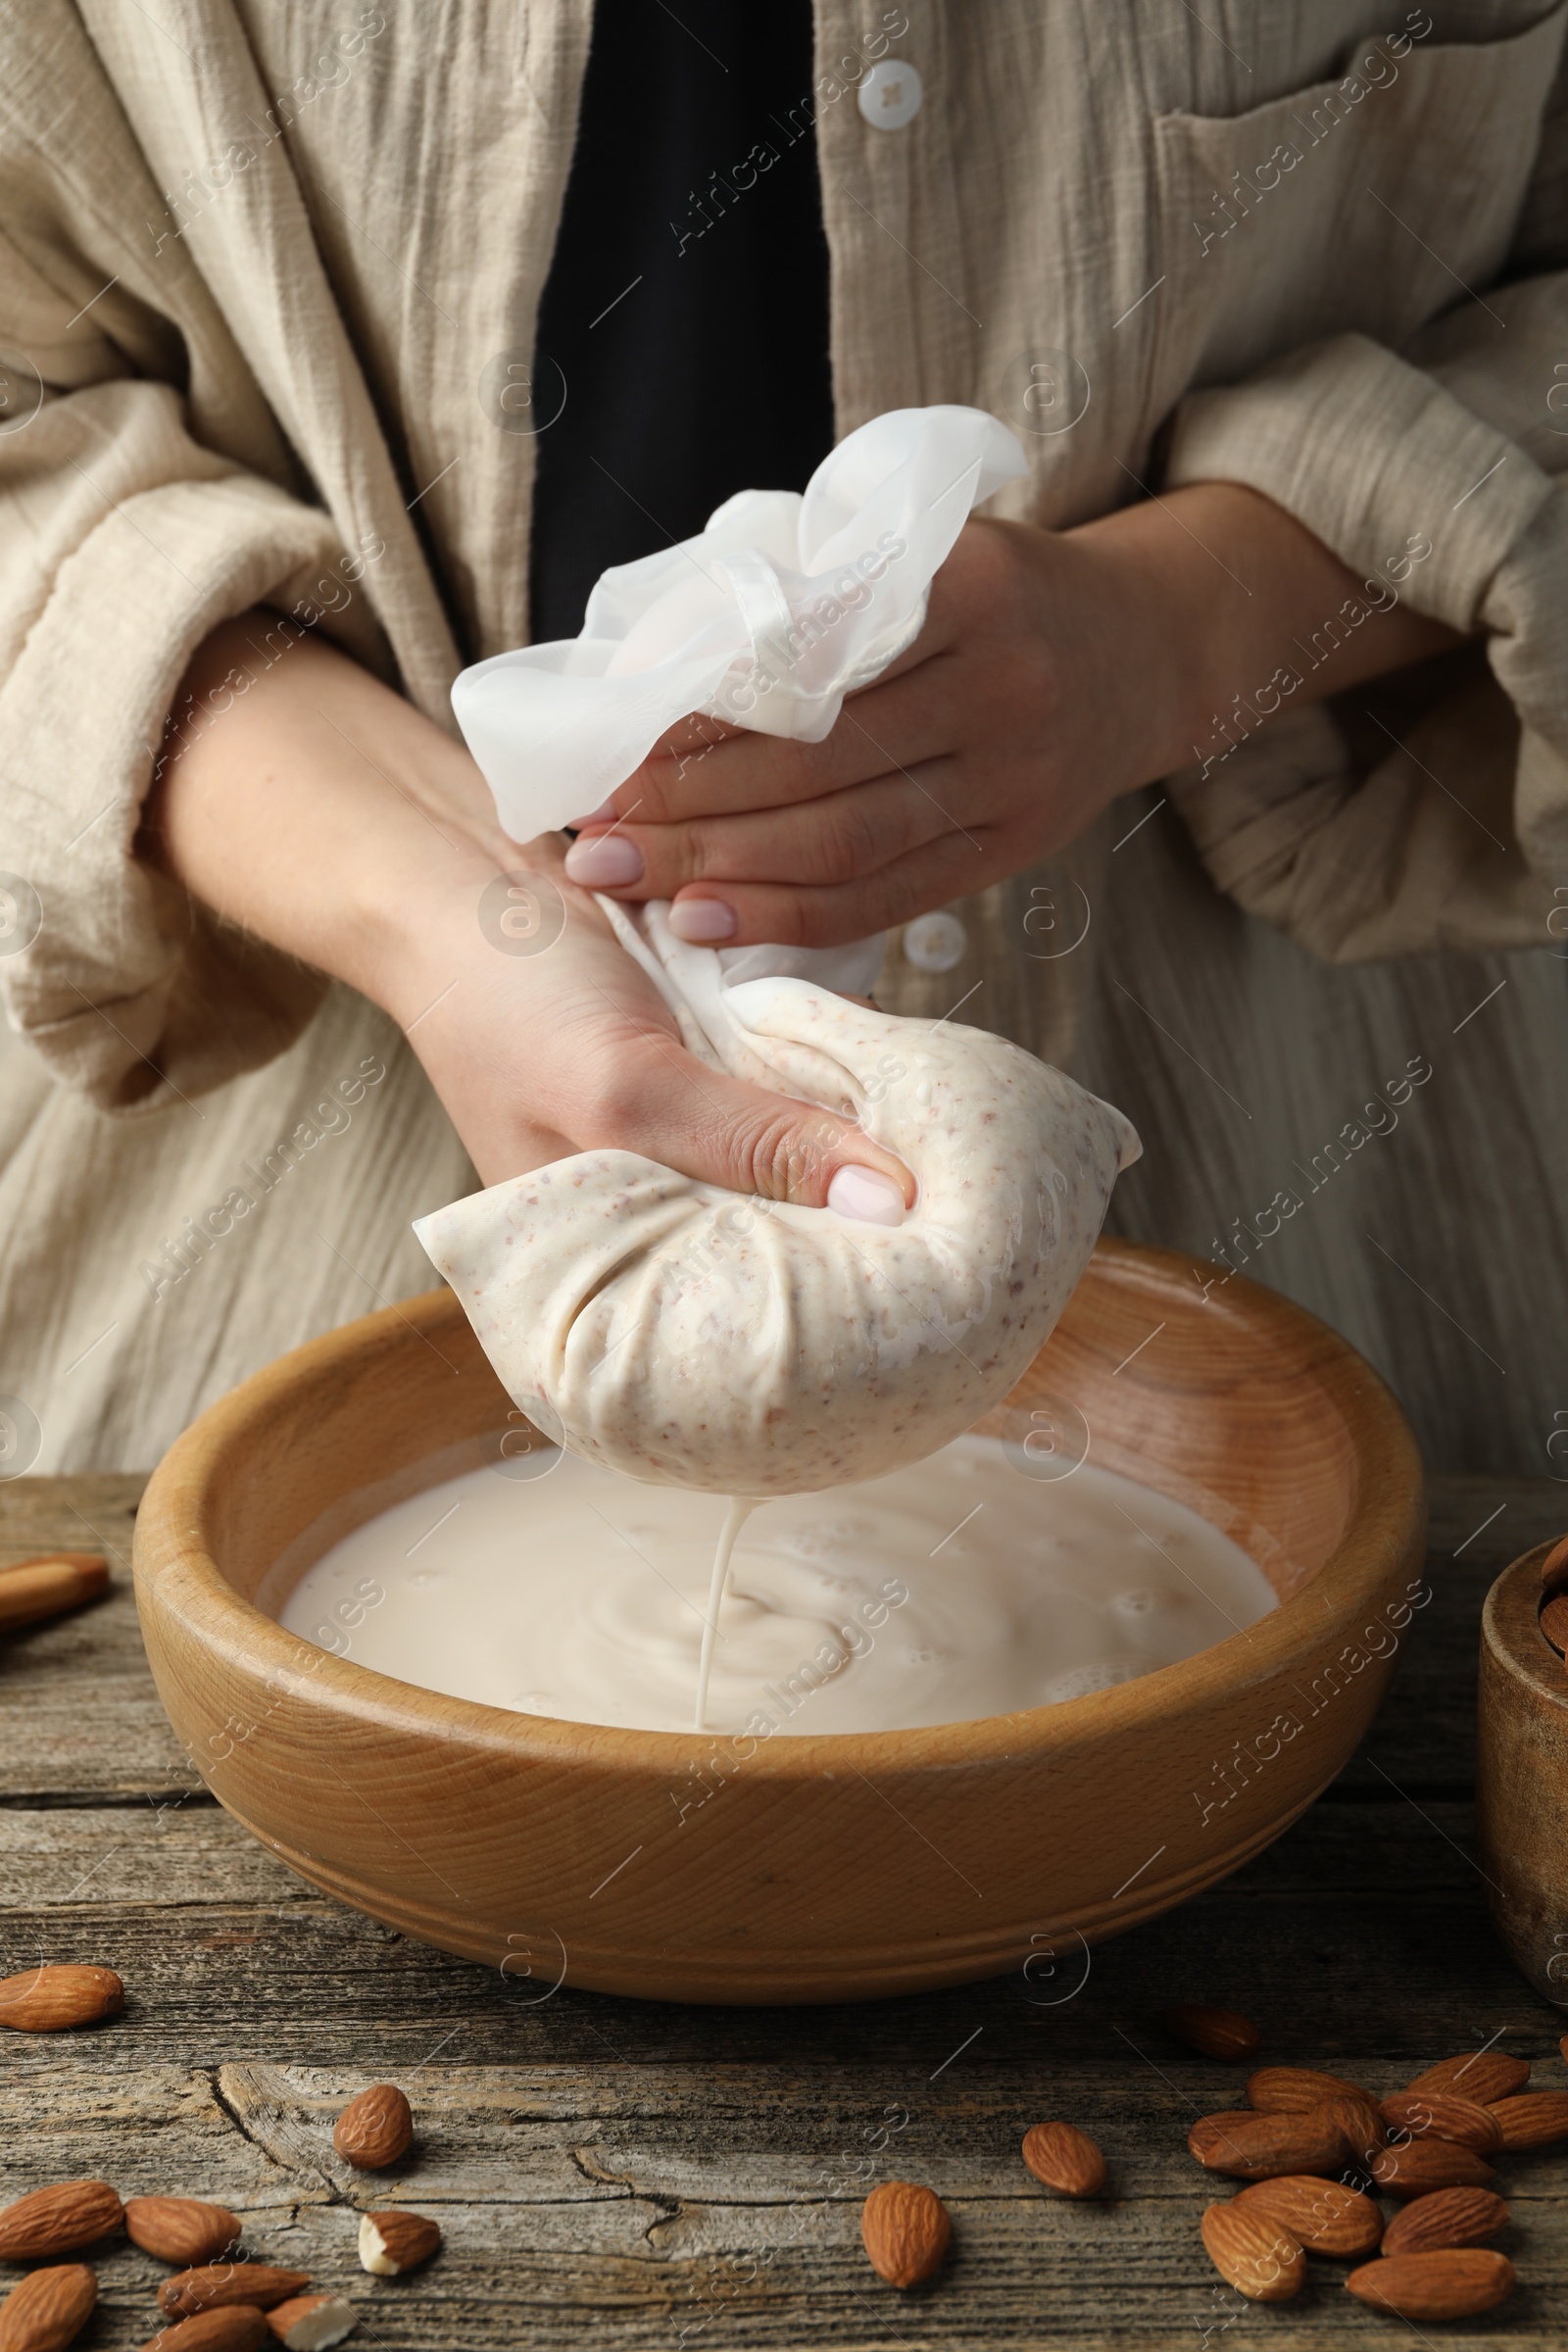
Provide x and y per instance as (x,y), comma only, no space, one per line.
(263,270)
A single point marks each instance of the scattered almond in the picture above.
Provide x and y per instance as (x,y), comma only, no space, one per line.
(397,2240)
(1554,1567)
(1452,2284)
(1422,2165)
(1554,1621)
(1295,2089)
(1256,2147)
(1451,2217)
(216,2285)
(237,2327)
(1360,2123)
(30,1590)
(48,2310)
(1064,2159)
(374,2129)
(1259,2258)
(1533,2120)
(55,1997)
(181,2229)
(309,2322)
(58,2219)
(1479,2075)
(1436,2115)
(1212,2033)
(1324,2217)
(905,2229)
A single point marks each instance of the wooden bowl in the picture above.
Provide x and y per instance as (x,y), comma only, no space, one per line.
(1522,1778)
(832,1867)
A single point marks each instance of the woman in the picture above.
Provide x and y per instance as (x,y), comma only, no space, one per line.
(1233,749)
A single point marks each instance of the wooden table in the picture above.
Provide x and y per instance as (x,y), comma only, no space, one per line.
(621,2173)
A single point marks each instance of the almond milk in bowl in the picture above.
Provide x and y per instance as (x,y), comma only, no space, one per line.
(763,1859)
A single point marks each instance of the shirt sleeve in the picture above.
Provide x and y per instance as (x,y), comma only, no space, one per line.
(124,542)
(1436,473)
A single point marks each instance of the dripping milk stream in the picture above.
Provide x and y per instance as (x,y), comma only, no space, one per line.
(741,1507)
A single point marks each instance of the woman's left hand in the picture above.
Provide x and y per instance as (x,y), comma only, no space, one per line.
(975,754)
(1055,671)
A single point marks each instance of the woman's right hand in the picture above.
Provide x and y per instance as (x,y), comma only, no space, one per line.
(542,1037)
(328,817)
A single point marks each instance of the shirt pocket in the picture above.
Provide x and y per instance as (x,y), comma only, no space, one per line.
(1366,204)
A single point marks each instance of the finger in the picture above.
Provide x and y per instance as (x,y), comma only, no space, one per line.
(746,914)
(831,840)
(671,781)
(888,725)
(662,1101)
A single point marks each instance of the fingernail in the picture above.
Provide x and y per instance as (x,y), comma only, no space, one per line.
(871,1198)
(605,863)
(698,921)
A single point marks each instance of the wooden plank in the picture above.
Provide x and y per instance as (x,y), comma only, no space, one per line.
(94,1511)
(79,1714)
(699,2194)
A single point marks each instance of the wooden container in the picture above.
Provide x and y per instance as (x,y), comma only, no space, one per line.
(1521,1779)
(707,1867)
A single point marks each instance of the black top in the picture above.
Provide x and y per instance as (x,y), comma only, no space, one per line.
(687,303)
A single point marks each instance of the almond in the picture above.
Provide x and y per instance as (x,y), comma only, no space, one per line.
(374,2129)
(30,1590)
(1064,2159)
(1422,2165)
(1533,2120)
(1324,2217)
(1437,2115)
(1451,2217)
(1212,2033)
(1261,2260)
(905,2231)
(1297,2090)
(395,2240)
(181,2229)
(53,1999)
(1359,2120)
(309,2322)
(56,2220)
(1554,1567)
(216,2285)
(1554,1621)
(238,2327)
(48,2310)
(1256,2147)
(1479,2075)
(1452,2284)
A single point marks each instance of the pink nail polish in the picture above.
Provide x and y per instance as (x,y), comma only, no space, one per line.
(605,861)
(865,1196)
(700,922)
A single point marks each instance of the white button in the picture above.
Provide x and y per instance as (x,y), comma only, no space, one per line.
(890,95)
(935,943)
